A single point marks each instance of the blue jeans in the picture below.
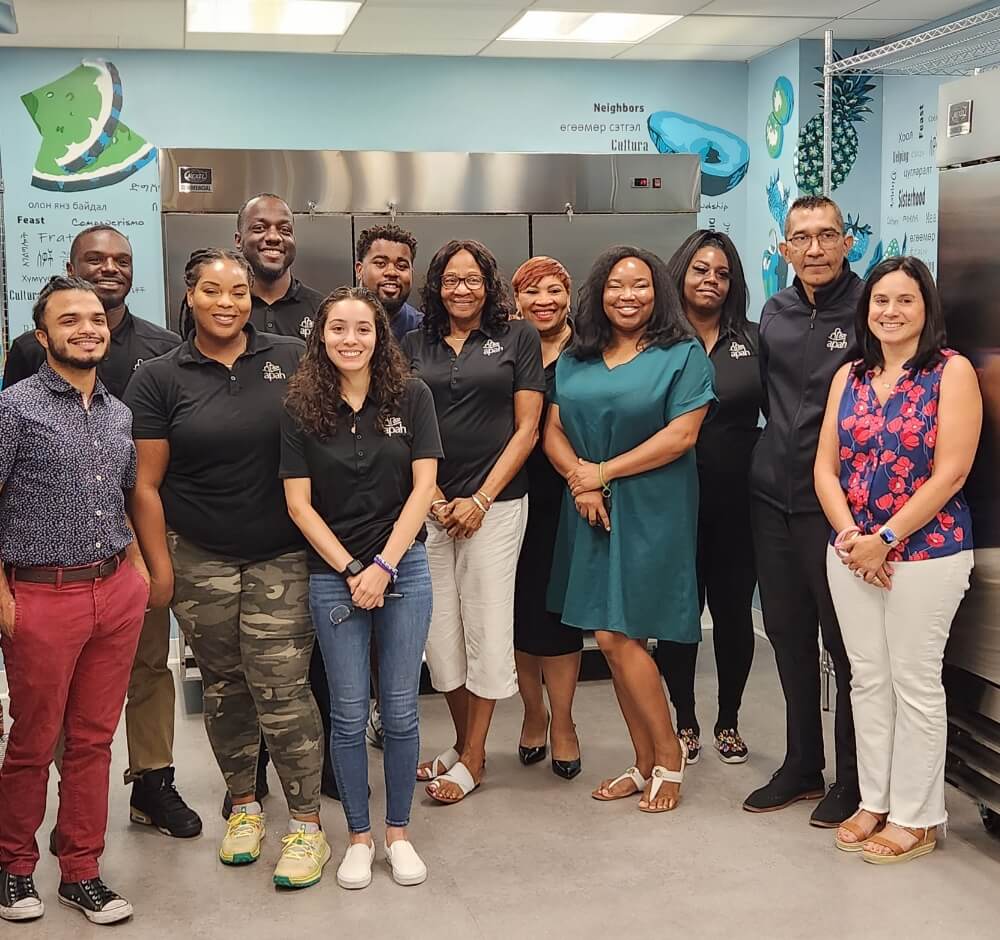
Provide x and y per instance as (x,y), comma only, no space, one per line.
(400,628)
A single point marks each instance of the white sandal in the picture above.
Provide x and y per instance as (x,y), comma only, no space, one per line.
(660,776)
(445,760)
(632,774)
(458,775)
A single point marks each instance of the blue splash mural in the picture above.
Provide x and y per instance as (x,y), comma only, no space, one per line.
(775,268)
(725,157)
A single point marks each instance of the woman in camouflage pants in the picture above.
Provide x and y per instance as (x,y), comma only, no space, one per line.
(211,518)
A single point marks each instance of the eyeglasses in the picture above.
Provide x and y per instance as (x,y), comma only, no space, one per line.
(472,281)
(341,612)
(827,239)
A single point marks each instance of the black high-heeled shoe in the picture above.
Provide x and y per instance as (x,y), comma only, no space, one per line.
(531,755)
(567,769)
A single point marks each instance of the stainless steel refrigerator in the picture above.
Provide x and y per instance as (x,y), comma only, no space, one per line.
(968,156)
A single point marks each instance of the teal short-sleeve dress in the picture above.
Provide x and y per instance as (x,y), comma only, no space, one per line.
(639,579)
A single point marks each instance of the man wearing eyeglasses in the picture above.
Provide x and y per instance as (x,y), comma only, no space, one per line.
(806,334)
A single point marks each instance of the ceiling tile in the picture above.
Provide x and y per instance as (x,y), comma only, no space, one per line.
(694,52)
(850,28)
(924,10)
(255,42)
(429,21)
(734,30)
(408,45)
(820,8)
(683,7)
(555,50)
(153,24)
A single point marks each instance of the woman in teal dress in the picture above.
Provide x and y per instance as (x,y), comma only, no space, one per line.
(628,401)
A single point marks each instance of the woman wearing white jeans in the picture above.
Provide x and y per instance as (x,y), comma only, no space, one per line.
(898,440)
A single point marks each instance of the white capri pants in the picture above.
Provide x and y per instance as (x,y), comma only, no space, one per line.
(895,641)
(471,639)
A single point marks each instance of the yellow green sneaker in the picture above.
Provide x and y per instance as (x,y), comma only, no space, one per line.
(244,834)
(303,855)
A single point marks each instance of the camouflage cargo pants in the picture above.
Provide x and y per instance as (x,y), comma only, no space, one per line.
(249,627)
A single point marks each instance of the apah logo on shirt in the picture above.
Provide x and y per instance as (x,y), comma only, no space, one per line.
(837,339)
(738,351)
(491,347)
(138,363)
(273,373)
(306,327)
(393,426)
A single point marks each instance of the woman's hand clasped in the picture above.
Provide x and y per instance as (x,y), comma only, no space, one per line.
(591,507)
(368,588)
(464,518)
(866,557)
(584,478)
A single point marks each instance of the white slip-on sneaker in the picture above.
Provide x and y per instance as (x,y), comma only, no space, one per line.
(355,870)
(407,867)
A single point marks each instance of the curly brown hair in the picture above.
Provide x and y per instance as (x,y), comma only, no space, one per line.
(314,395)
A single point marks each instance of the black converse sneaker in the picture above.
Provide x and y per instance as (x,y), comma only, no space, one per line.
(156,802)
(18,898)
(99,904)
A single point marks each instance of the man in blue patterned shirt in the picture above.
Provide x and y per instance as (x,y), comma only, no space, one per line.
(73,592)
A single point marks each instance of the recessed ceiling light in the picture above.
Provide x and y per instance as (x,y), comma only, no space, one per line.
(287,17)
(557,26)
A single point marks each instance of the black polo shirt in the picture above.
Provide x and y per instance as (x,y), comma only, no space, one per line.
(361,478)
(133,341)
(474,399)
(291,315)
(727,438)
(221,489)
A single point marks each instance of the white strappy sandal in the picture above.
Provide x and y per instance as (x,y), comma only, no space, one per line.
(445,761)
(662,775)
(458,775)
(632,774)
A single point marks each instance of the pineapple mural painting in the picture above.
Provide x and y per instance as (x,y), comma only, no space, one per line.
(849,106)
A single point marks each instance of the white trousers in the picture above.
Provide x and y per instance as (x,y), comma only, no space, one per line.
(895,640)
(471,639)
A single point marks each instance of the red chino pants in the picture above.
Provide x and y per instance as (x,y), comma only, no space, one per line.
(68,667)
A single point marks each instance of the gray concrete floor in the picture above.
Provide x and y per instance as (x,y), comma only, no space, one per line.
(530,855)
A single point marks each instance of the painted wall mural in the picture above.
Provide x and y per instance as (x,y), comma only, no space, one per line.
(775,268)
(850,100)
(725,156)
(85,144)
(782,103)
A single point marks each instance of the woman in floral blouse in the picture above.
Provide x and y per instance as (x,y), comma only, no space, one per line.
(898,440)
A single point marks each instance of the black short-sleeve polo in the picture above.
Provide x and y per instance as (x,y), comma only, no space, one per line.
(727,438)
(362,476)
(291,315)
(133,341)
(474,399)
(221,489)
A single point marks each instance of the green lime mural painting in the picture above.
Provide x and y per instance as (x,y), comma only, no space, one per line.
(725,156)
(85,144)
(782,102)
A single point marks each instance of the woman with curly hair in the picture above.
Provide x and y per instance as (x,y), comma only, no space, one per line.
(485,373)
(359,455)
(210,516)
(630,395)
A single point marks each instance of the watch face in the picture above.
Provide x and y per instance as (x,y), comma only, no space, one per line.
(355,568)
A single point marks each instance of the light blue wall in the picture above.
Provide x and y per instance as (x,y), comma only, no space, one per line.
(193,99)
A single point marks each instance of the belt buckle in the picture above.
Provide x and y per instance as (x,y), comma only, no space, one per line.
(108,567)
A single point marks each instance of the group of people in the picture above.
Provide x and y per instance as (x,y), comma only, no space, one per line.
(327,490)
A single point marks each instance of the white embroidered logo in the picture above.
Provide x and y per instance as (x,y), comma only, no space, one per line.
(491,347)
(738,351)
(837,340)
(138,363)
(273,373)
(394,426)
(306,327)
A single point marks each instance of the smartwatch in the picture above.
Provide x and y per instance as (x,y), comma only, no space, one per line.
(354,568)
(887,535)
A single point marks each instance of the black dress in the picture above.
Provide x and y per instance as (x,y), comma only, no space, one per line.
(537,631)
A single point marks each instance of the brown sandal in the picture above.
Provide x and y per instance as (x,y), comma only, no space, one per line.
(860,836)
(925,844)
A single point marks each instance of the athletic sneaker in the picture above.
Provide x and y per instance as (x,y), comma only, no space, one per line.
(731,747)
(95,900)
(303,855)
(244,834)
(18,898)
(692,742)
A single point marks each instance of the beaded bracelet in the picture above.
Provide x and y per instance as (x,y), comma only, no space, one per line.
(386,567)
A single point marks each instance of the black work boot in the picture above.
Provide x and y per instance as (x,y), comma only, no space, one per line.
(156,802)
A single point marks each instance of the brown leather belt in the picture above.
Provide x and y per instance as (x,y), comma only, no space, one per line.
(100,569)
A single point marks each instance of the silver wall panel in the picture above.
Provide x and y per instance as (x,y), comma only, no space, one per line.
(578,242)
(505,235)
(368,181)
(324,258)
(983,141)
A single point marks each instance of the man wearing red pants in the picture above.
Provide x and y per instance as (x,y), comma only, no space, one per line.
(73,592)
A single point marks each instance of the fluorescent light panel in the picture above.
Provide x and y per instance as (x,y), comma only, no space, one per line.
(558,26)
(271,17)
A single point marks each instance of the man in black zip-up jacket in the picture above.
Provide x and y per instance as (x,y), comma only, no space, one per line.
(806,334)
